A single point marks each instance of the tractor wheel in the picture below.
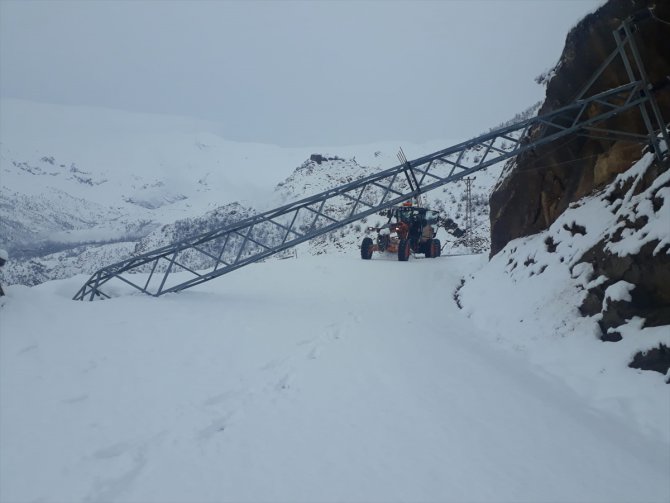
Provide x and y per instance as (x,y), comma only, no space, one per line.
(366,249)
(429,248)
(438,247)
(403,250)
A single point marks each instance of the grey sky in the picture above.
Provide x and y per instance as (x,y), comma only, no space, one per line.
(291,73)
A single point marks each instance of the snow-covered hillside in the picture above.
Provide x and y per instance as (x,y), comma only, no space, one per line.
(532,298)
(83,188)
(320,378)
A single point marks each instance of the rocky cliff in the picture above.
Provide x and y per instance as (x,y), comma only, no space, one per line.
(544,181)
(628,263)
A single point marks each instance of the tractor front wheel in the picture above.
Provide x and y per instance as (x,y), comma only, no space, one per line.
(403,250)
(438,247)
(432,248)
(366,249)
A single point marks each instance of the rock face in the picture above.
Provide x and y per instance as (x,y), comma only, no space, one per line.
(543,182)
(634,252)
(630,277)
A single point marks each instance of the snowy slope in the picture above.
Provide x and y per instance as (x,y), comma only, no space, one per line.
(316,379)
(528,297)
(73,175)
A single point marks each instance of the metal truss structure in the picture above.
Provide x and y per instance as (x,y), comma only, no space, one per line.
(231,247)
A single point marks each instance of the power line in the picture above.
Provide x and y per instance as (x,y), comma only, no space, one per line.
(651,10)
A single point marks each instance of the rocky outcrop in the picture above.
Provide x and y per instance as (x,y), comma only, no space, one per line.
(634,253)
(649,275)
(630,264)
(543,182)
(629,282)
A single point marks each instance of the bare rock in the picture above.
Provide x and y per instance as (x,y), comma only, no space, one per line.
(545,180)
(657,359)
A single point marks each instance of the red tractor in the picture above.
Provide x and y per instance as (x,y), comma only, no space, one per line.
(410,229)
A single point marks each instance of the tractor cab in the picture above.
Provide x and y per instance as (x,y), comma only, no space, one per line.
(403,214)
(420,222)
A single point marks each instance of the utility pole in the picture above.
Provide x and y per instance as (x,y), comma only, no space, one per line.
(469,217)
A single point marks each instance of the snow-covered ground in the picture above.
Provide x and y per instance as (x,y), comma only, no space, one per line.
(527,297)
(315,379)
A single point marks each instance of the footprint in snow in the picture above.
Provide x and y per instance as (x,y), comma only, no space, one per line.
(28,349)
(334,331)
(216,427)
(110,488)
(284,383)
(273,364)
(221,398)
(75,399)
(112,451)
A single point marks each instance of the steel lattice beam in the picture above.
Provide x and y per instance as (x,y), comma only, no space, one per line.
(256,238)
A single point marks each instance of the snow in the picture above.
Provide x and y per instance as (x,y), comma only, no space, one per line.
(321,379)
(526,300)
(619,291)
(314,378)
(638,207)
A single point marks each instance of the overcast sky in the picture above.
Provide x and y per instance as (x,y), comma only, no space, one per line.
(291,73)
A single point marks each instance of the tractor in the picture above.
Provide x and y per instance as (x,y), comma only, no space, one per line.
(410,229)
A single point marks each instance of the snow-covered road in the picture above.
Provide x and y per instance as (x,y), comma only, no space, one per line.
(316,379)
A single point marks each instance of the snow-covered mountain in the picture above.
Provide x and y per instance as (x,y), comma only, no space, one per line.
(119,168)
(89,187)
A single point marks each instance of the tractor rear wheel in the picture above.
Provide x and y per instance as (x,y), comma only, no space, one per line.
(429,248)
(403,250)
(366,249)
